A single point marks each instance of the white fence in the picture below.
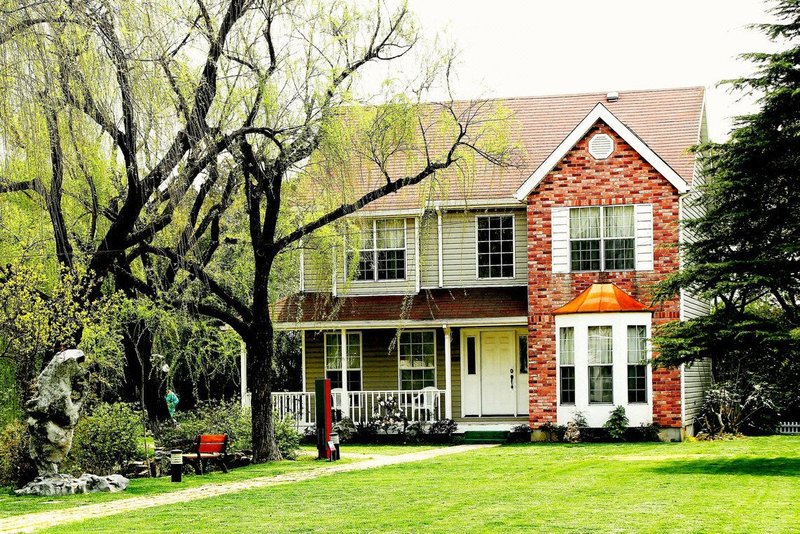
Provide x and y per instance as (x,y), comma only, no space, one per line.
(789,428)
(419,405)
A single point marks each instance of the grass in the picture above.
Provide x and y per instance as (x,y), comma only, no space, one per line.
(745,485)
(11,505)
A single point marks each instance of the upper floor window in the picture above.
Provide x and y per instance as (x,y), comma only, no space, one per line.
(382,255)
(496,246)
(417,360)
(602,238)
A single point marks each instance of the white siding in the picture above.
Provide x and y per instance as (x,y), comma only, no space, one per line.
(696,380)
(459,256)
(429,251)
(644,237)
(559,222)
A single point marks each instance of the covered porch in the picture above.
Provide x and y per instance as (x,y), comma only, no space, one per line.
(417,350)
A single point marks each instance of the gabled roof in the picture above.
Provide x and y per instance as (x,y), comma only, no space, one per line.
(601,113)
(668,121)
(599,298)
(455,307)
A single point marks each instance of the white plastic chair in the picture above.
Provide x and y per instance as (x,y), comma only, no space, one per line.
(425,401)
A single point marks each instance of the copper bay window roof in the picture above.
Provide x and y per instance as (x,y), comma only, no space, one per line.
(599,298)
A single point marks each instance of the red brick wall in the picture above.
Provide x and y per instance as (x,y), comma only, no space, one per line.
(580,180)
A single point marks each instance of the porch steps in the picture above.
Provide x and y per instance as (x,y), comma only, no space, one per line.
(486,436)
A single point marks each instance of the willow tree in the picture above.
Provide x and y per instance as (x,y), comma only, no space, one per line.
(109,112)
(260,92)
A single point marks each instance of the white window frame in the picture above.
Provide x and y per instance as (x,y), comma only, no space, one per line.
(602,238)
(642,363)
(513,247)
(597,414)
(435,359)
(609,365)
(374,224)
(560,365)
(360,353)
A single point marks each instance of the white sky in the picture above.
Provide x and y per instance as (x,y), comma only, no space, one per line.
(523,48)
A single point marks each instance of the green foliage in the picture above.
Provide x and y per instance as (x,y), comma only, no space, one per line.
(225,417)
(16,465)
(446,427)
(617,424)
(210,417)
(287,437)
(732,408)
(746,233)
(106,440)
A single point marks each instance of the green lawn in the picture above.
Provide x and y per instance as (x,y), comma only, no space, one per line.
(11,504)
(744,485)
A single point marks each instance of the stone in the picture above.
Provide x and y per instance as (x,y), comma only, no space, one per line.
(54,411)
(61,484)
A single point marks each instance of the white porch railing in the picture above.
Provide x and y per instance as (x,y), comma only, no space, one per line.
(789,428)
(299,405)
(418,405)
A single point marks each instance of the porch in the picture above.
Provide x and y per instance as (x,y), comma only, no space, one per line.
(418,405)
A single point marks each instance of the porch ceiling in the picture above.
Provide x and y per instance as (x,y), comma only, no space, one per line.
(455,307)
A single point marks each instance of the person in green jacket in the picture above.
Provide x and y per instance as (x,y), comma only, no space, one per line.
(172,401)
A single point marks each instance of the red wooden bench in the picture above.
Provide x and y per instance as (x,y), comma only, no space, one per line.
(208,447)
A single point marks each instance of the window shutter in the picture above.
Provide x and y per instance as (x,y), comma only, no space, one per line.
(644,237)
(559,224)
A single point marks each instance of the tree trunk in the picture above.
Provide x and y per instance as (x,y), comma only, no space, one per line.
(143,384)
(260,373)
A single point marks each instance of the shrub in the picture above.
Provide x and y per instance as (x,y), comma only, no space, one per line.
(446,427)
(729,409)
(286,436)
(388,417)
(106,440)
(213,417)
(520,434)
(617,424)
(580,420)
(345,428)
(553,432)
(16,465)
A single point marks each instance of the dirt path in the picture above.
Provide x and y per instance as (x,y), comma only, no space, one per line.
(39,520)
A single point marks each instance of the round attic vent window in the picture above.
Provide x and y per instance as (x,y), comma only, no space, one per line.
(601,146)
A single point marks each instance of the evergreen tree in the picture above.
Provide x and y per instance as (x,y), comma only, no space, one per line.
(745,252)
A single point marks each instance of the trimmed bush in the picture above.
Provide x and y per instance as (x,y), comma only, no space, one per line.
(16,465)
(213,417)
(617,424)
(106,441)
(286,437)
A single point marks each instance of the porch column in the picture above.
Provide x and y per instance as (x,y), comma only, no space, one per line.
(448,374)
(345,400)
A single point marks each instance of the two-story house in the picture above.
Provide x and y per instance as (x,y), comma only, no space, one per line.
(523,295)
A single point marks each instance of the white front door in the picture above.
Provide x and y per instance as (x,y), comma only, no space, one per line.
(498,372)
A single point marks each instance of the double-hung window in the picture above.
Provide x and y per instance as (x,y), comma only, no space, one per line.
(601,374)
(333,360)
(566,364)
(417,360)
(382,251)
(637,363)
(602,238)
(496,246)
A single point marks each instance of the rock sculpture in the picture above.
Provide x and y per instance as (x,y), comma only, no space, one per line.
(52,416)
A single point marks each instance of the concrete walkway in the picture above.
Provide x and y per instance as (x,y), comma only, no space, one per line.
(39,520)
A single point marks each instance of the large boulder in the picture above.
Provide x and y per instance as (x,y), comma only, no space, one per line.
(59,484)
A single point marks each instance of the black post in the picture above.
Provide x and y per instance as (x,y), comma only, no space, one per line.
(176,464)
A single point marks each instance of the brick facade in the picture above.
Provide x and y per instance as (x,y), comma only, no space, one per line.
(580,180)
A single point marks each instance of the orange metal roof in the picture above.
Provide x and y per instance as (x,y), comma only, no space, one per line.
(602,298)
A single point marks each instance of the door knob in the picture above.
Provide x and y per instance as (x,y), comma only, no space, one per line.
(511,376)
